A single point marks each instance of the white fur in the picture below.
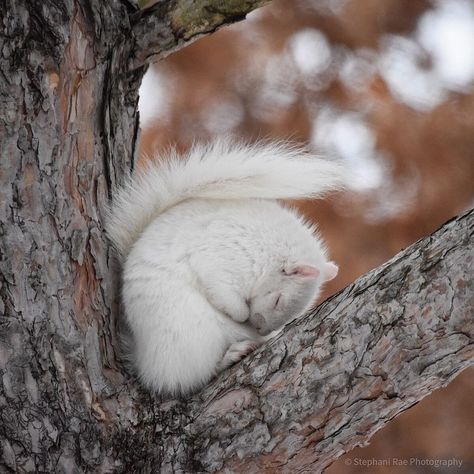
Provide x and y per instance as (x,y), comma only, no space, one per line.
(212,263)
(220,170)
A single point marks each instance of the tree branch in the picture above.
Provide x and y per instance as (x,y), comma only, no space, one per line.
(327,383)
(335,377)
(169,25)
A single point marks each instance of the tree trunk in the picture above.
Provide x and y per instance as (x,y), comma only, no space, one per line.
(70,72)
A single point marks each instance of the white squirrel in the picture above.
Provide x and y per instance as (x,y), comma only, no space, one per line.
(212,263)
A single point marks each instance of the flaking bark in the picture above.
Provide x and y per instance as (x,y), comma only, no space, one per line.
(69,130)
(70,72)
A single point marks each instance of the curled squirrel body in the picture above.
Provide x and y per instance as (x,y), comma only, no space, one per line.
(212,263)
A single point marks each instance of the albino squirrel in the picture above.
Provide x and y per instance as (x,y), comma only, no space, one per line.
(212,263)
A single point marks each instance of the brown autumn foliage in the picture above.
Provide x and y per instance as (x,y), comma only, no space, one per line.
(252,80)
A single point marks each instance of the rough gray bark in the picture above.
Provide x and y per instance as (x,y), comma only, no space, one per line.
(70,71)
(168,25)
(69,78)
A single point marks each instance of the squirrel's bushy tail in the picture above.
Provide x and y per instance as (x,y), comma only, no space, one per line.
(220,170)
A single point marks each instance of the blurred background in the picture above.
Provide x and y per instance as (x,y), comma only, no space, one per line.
(387,86)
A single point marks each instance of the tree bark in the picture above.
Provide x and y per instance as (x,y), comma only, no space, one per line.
(69,82)
(70,72)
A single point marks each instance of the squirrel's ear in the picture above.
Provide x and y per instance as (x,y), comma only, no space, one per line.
(331,270)
(301,270)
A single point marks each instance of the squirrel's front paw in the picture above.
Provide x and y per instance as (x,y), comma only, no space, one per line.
(236,352)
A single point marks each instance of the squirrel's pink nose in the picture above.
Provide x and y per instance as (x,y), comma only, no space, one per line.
(258,321)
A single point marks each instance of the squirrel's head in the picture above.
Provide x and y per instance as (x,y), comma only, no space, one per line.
(287,291)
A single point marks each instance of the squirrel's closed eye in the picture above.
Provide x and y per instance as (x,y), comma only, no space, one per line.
(277,301)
